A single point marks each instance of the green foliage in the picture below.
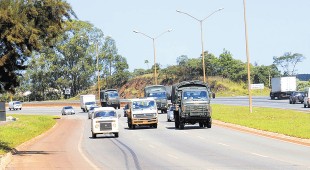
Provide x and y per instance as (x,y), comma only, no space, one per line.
(288,62)
(288,122)
(24,129)
(26,27)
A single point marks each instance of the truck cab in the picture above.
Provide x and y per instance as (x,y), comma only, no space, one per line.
(192,104)
(142,112)
(110,98)
(159,93)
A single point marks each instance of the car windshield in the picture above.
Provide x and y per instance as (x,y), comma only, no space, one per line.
(90,103)
(298,93)
(68,107)
(158,95)
(17,102)
(105,114)
(195,94)
(113,94)
(143,104)
(93,107)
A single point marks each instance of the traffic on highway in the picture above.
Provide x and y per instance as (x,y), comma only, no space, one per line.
(164,147)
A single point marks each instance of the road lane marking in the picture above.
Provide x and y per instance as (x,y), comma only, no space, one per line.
(259,155)
(172,156)
(81,151)
(223,144)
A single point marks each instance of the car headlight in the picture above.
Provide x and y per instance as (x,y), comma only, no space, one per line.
(96,125)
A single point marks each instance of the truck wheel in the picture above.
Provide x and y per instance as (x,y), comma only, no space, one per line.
(10,108)
(291,102)
(83,110)
(182,124)
(155,126)
(305,105)
(133,126)
(308,105)
(209,123)
(129,123)
(116,135)
(176,123)
(119,106)
(201,124)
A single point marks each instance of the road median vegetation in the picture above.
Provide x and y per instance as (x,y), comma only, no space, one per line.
(25,128)
(288,122)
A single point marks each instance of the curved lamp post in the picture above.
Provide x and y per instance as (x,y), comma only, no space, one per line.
(153,39)
(200,21)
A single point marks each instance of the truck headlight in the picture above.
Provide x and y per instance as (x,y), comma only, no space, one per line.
(96,125)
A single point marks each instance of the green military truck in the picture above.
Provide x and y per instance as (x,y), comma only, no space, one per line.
(109,98)
(159,93)
(192,104)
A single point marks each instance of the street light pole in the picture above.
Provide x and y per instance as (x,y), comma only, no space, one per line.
(153,40)
(98,71)
(201,36)
(248,57)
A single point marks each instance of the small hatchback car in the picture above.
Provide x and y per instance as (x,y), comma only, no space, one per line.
(104,121)
(66,110)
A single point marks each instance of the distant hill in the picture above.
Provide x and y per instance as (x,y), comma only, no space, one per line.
(303,77)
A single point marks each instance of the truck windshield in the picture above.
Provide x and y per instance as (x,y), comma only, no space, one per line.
(113,94)
(90,103)
(143,104)
(195,95)
(105,114)
(158,95)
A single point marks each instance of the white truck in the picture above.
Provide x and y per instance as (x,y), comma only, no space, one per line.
(87,101)
(282,87)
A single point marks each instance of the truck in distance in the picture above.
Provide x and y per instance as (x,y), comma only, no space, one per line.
(159,93)
(86,101)
(282,87)
(110,98)
(142,112)
(192,104)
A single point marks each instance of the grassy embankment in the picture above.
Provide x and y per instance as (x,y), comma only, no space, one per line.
(287,122)
(25,128)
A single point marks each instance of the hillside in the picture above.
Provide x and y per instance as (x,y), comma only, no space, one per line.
(222,87)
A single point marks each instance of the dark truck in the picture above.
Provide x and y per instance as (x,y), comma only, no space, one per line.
(159,93)
(192,102)
(109,98)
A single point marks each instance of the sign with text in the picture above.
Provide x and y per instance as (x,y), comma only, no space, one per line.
(257,86)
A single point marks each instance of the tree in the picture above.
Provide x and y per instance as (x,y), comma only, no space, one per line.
(27,26)
(288,62)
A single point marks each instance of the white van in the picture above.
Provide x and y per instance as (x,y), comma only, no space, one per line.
(15,105)
(306,98)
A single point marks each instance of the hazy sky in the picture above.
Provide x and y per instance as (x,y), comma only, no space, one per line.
(274,27)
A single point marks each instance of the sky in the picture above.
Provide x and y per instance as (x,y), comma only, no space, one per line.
(274,28)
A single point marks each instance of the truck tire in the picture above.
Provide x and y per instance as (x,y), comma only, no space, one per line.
(83,110)
(209,123)
(129,123)
(182,124)
(155,126)
(201,124)
(119,106)
(116,135)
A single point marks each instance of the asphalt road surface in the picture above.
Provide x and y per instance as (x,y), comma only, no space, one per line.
(260,102)
(69,146)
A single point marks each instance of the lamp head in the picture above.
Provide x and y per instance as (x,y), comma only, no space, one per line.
(135,31)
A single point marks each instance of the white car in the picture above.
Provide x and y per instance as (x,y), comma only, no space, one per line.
(170,114)
(91,111)
(67,110)
(104,121)
(15,105)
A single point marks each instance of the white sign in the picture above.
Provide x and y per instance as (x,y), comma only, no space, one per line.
(257,86)
(68,91)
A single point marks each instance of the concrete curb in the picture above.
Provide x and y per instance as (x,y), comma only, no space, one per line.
(7,158)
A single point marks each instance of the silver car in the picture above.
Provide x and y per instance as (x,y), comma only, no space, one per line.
(170,115)
(66,110)
(91,111)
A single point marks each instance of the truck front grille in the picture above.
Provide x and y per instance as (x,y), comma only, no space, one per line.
(105,126)
(197,110)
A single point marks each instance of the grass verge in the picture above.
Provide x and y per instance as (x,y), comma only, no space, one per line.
(24,129)
(287,122)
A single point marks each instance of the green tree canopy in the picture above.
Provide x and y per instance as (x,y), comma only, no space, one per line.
(27,26)
(288,62)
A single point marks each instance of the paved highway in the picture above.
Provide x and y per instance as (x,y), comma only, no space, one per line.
(161,148)
(260,102)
